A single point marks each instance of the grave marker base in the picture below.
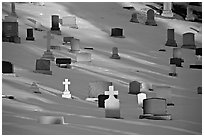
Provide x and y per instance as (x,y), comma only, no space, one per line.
(57,32)
(151,23)
(115,56)
(117,36)
(156,117)
(30,38)
(48,55)
(171,43)
(43,72)
(196,66)
(66,95)
(189,46)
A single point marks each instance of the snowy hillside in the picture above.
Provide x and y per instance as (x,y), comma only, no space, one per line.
(140,60)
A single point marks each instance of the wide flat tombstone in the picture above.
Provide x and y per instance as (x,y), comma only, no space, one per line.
(74,45)
(134,87)
(167,9)
(30,34)
(172,70)
(117,32)
(66,93)
(7,67)
(188,41)
(55,25)
(51,120)
(69,21)
(63,61)
(155,109)
(166,93)
(115,54)
(43,66)
(171,42)
(140,98)
(112,105)
(48,54)
(134,18)
(176,61)
(150,18)
(83,57)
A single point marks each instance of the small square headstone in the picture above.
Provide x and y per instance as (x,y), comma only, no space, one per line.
(117,32)
(134,18)
(7,67)
(134,87)
(43,66)
(188,41)
(199,90)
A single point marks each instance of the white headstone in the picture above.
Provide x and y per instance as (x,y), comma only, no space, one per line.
(112,105)
(140,98)
(167,12)
(69,21)
(75,45)
(66,93)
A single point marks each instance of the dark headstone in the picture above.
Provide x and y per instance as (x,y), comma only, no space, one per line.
(134,87)
(170,38)
(134,18)
(30,34)
(7,67)
(115,54)
(89,48)
(198,52)
(10,32)
(43,66)
(188,41)
(117,32)
(176,61)
(196,66)
(63,61)
(55,22)
(150,18)
(101,100)
(199,90)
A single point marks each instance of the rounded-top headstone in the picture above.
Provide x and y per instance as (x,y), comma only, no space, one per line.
(134,87)
(170,38)
(189,41)
(156,106)
(115,53)
(134,18)
(150,18)
(117,32)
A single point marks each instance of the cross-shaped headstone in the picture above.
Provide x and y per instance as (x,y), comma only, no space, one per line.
(66,83)
(111,91)
(49,37)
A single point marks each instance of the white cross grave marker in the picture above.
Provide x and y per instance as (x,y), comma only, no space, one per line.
(112,105)
(49,37)
(66,93)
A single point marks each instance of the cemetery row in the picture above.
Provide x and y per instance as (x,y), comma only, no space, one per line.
(154,103)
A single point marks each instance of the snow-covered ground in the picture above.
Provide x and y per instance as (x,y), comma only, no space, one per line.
(140,60)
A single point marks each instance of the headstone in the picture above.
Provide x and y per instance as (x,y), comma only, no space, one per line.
(7,67)
(176,61)
(102,98)
(10,32)
(55,25)
(134,87)
(69,21)
(199,90)
(48,54)
(13,9)
(198,52)
(98,87)
(150,18)
(75,45)
(112,105)
(134,18)
(167,12)
(83,57)
(177,53)
(189,14)
(66,93)
(172,70)
(170,38)
(140,98)
(63,61)
(117,32)
(89,48)
(34,88)
(166,93)
(115,53)
(30,34)
(43,66)
(55,47)
(67,40)
(51,120)
(188,41)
